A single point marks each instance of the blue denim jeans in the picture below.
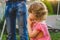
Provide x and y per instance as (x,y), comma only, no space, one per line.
(16,10)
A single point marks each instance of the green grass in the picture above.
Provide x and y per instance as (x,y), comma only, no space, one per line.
(5,36)
(54,36)
(51,14)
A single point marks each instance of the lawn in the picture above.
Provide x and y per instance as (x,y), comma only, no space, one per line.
(54,36)
(4,37)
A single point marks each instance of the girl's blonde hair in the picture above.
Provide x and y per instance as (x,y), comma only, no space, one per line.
(38,9)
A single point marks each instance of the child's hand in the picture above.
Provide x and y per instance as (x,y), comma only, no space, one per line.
(40,35)
(29,22)
(31,19)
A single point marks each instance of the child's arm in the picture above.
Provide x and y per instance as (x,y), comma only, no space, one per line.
(32,33)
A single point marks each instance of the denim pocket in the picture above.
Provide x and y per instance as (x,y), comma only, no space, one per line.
(12,13)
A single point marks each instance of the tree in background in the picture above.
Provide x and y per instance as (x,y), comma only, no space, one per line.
(54,4)
(49,6)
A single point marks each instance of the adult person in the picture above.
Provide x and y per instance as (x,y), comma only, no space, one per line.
(16,8)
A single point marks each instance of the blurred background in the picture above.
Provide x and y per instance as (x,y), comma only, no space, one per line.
(52,6)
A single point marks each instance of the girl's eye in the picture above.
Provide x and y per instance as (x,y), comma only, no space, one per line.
(31,19)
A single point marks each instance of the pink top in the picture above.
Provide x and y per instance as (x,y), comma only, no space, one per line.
(41,27)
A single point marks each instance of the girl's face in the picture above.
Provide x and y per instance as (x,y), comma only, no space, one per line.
(32,17)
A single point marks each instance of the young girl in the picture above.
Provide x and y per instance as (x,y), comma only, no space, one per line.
(37,28)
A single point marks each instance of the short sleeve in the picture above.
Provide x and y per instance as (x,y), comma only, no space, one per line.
(38,27)
(43,28)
